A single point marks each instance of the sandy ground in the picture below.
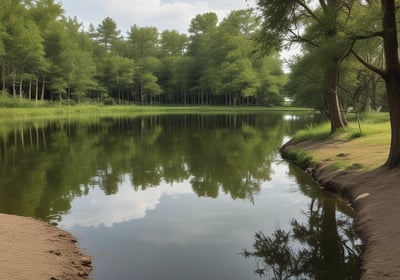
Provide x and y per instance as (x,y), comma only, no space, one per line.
(375,196)
(34,250)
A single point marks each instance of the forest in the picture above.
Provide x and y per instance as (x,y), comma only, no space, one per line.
(45,55)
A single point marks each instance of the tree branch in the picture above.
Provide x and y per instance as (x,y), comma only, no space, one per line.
(298,38)
(305,7)
(368,36)
(377,70)
(323,5)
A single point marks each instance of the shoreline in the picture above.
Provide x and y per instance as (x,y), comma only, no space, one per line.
(32,249)
(374,196)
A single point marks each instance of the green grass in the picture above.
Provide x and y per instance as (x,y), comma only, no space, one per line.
(348,148)
(371,124)
(345,165)
(300,158)
(51,111)
(314,132)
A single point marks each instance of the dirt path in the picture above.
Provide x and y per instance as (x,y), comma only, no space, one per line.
(34,250)
(375,196)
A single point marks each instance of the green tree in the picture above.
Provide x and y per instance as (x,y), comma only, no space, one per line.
(203,29)
(323,26)
(143,42)
(203,24)
(24,48)
(238,77)
(391,72)
(272,80)
(305,80)
(234,47)
(182,73)
(56,54)
(172,43)
(118,75)
(144,49)
(107,33)
(44,13)
(172,50)
(72,68)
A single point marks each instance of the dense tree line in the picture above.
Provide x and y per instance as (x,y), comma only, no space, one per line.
(45,55)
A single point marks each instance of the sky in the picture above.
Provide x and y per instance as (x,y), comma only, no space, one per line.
(163,14)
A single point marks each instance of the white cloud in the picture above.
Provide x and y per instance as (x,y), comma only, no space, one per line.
(175,15)
(161,14)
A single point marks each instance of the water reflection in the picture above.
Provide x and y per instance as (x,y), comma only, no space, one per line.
(62,160)
(176,191)
(127,204)
(322,246)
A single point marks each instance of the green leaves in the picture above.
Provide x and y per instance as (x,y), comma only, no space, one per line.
(204,23)
(107,33)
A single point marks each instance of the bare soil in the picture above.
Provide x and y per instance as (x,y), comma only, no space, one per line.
(375,197)
(35,250)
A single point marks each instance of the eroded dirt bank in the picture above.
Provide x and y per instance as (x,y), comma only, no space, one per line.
(34,250)
(375,196)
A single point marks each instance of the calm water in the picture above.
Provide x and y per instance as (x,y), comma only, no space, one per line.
(180,197)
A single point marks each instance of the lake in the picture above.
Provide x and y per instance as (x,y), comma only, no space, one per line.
(180,196)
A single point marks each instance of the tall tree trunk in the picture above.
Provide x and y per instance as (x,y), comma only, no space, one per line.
(374,85)
(14,81)
(331,97)
(393,94)
(43,88)
(37,89)
(367,81)
(21,87)
(332,67)
(3,75)
(392,78)
(30,89)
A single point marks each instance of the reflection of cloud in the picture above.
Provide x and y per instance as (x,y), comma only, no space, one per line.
(291,117)
(286,139)
(128,204)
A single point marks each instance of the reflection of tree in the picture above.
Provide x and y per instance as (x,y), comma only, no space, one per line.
(323,248)
(235,160)
(45,165)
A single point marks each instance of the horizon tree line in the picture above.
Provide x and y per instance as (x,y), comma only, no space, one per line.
(45,55)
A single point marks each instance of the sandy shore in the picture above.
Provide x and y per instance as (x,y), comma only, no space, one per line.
(34,250)
(375,196)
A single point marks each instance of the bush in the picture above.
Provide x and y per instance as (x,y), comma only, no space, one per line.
(7,101)
(108,101)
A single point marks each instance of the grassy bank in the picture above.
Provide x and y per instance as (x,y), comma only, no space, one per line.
(349,148)
(80,110)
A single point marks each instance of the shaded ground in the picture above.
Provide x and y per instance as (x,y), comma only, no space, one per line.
(32,249)
(374,194)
